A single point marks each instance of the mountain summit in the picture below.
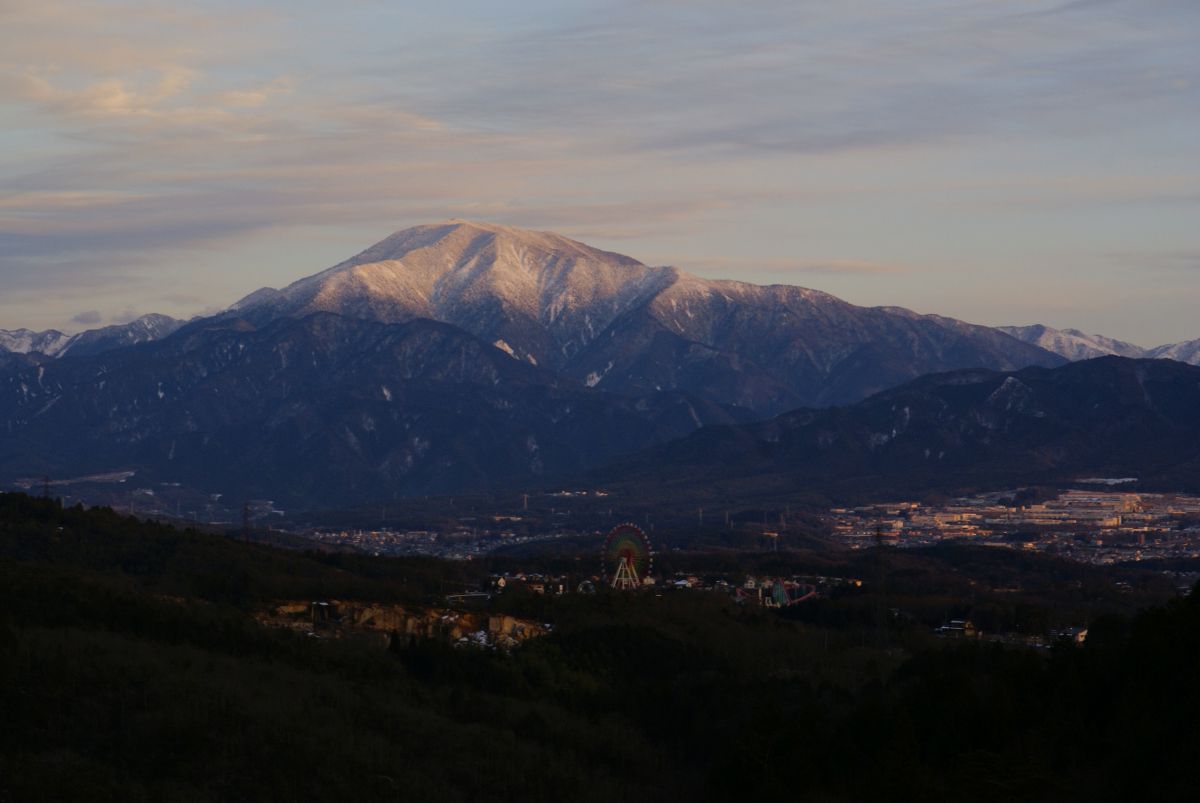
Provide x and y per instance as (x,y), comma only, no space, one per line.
(610,321)
(539,296)
(1075,345)
(53,343)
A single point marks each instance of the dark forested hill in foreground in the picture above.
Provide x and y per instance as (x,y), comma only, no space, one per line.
(130,670)
(1109,417)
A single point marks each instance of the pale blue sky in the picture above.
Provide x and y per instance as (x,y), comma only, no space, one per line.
(1001,161)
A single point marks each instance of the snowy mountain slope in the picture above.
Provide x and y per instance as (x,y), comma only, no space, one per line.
(1188,351)
(612,322)
(821,349)
(25,341)
(539,296)
(1074,344)
(53,343)
(145,329)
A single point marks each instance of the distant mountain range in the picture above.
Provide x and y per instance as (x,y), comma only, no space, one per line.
(1110,417)
(457,356)
(1075,345)
(53,343)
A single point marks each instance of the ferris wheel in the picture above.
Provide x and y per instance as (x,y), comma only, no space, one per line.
(628,558)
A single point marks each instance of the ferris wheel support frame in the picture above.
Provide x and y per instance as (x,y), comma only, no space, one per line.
(627,576)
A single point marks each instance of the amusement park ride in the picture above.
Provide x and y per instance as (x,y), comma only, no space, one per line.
(628,558)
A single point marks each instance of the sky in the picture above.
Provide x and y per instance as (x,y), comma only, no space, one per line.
(999,161)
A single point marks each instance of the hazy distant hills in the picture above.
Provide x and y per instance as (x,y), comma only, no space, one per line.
(1075,345)
(1108,417)
(459,356)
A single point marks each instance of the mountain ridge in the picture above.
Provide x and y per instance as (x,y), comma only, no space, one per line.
(1076,345)
(322,410)
(1108,417)
(611,321)
(53,343)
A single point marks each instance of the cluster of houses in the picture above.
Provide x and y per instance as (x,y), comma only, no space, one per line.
(1094,526)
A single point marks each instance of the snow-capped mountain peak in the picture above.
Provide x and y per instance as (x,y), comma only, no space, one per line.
(541,293)
(53,343)
(1075,345)
(25,341)
(612,322)
(1188,351)
(1072,343)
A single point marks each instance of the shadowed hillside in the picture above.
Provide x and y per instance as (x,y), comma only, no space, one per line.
(131,669)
